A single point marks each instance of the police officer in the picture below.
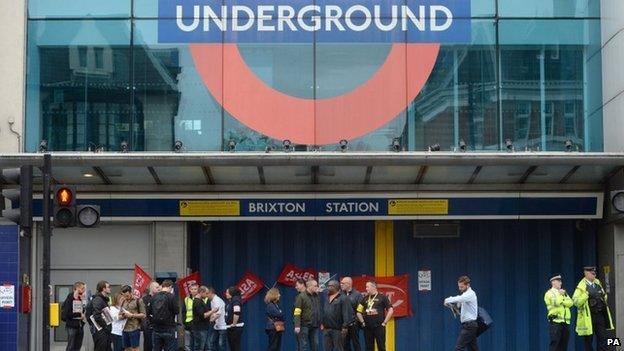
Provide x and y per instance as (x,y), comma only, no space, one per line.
(187,312)
(593,317)
(558,304)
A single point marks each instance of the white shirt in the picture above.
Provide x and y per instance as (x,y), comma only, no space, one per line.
(219,304)
(118,324)
(468,304)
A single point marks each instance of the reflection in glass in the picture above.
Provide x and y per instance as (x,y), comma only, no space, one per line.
(82,8)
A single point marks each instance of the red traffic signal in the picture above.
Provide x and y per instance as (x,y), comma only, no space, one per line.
(64,211)
(64,196)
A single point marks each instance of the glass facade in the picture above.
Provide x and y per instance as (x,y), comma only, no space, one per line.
(98,76)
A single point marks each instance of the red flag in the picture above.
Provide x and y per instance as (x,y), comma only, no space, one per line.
(395,288)
(186,282)
(291,273)
(141,281)
(249,286)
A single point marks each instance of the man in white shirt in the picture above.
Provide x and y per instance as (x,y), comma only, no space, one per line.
(218,338)
(467,302)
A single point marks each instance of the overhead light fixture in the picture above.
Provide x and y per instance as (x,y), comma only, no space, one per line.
(434,147)
(462,145)
(232,145)
(509,145)
(568,145)
(344,145)
(287,145)
(87,175)
(177,146)
(396,145)
(124,146)
(43,145)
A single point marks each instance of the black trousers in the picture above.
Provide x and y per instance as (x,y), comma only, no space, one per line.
(234,336)
(147,339)
(599,325)
(559,336)
(467,339)
(102,340)
(374,335)
(352,341)
(333,340)
(74,338)
(275,340)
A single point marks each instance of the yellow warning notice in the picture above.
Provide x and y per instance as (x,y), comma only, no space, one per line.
(401,207)
(209,208)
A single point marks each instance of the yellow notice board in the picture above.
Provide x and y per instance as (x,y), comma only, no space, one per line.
(210,208)
(405,207)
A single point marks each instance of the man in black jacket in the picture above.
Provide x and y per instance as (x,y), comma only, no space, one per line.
(353,334)
(335,317)
(99,306)
(307,317)
(162,311)
(146,325)
(73,315)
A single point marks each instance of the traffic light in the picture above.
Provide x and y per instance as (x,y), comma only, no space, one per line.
(20,211)
(64,206)
(88,215)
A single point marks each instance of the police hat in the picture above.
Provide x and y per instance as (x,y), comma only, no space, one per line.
(557,277)
(589,269)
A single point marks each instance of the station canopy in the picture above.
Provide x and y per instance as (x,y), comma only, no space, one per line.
(325,171)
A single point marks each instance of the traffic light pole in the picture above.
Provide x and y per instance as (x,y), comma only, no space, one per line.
(47,234)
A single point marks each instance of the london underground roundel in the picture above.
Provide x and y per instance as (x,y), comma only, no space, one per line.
(414,28)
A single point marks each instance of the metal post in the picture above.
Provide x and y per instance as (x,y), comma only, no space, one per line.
(542,59)
(47,234)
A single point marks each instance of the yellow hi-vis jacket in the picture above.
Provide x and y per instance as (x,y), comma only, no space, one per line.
(188,303)
(583,317)
(558,306)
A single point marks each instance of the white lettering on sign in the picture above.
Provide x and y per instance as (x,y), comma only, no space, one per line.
(351,207)
(7,296)
(277,207)
(247,286)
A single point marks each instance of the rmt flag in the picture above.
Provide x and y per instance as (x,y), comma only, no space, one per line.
(141,281)
(186,282)
(249,286)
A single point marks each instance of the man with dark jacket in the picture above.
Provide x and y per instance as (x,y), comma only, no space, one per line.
(146,325)
(162,311)
(353,333)
(73,315)
(336,317)
(307,315)
(100,328)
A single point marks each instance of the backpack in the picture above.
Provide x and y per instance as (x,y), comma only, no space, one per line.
(484,321)
(64,316)
(161,313)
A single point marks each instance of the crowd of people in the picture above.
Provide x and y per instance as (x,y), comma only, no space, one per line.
(214,324)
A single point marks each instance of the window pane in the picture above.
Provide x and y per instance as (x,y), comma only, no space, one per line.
(82,8)
(459,100)
(171,99)
(549,8)
(78,84)
(548,94)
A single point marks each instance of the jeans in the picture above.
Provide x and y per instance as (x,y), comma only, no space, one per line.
(308,339)
(334,341)
(117,342)
(200,338)
(218,340)
(275,340)
(164,340)
(148,339)
(374,335)
(188,340)
(467,338)
(74,339)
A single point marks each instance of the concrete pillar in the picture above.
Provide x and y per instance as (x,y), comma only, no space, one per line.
(170,248)
(12,71)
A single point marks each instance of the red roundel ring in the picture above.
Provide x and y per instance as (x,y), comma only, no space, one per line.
(307,121)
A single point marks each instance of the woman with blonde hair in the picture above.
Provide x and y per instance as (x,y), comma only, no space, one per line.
(275,319)
(118,322)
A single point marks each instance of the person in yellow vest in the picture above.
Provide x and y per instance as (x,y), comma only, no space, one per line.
(593,317)
(187,312)
(558,304)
